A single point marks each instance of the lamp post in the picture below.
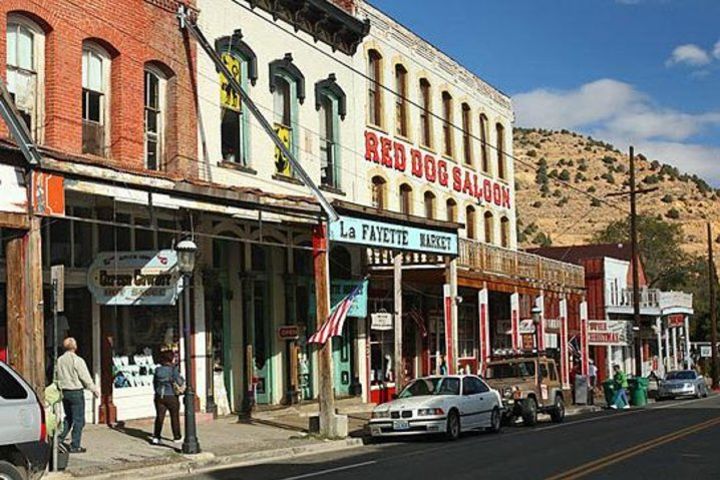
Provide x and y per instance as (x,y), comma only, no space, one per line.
(186,250)
(536,312)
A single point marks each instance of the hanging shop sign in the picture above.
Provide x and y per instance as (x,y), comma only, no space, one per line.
(340,289)
(135,278)
(705,351)
(609,332)
(676,320)
(526,327)
(288,332)
(401,157)
(392,236)
(381,321)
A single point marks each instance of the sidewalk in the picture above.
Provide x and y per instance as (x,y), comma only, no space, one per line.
(120,452)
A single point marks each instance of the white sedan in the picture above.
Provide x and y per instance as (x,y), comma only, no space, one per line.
(447,405)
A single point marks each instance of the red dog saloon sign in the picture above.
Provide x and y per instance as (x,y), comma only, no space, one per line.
(398,156)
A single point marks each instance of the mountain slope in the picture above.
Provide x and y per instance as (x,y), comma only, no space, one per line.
(556,170)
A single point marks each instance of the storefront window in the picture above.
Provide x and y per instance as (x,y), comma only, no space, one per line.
(82,238)
(382,350)
(60,242)
(467,330)
(144,236)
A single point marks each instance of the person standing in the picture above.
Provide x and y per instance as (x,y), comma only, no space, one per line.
(592,374)
(72,379)
(621,383)
(167,383)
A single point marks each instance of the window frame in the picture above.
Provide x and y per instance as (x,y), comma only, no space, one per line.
(451,210)
(470,222)
(484,151)
(242,115)
(286,71)
(161,112)
(405,201)
(467,134)
(91,48)
(501,145)
(378,192)
(489,227)
(505,232)
(402,127)
(448,147)
(374,88)
(330,100)
(429,204)
(426,130)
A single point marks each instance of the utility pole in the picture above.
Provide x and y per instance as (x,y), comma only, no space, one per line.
(713,308)
(635,274)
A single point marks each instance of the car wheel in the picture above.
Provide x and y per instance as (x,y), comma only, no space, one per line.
(529,412)
(452,431)
(495,421)
(8,471)
(557,414)
(698,394)
(705,391)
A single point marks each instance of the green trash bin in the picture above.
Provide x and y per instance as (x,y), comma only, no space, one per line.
(638,391)
(609,390)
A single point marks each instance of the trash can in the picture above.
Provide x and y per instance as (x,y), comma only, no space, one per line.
(581,389)
(609,390)
(638,391)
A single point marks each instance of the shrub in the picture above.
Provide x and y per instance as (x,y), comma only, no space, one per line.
(579,177)
(564,175)
(673,213)
(651,179)
(608,160)
(594,202)
(592,189)
(532,153)
(542,240)
(537,204)
(667,198)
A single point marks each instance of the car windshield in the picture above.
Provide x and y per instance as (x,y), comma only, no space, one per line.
(432,386)
(510,370)
(686,375)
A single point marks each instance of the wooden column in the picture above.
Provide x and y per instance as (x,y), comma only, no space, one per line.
(397,307)
(326,395)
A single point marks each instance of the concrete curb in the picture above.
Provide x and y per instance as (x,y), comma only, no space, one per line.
(189,464)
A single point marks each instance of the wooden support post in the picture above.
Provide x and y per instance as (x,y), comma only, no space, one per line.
(397,292)
(16,325)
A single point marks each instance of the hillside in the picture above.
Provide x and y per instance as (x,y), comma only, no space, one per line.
(549,211)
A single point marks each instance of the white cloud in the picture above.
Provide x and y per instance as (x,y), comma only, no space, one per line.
(620,114)
(716,50)
(688,54)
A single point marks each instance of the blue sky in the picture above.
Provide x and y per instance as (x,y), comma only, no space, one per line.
(645,72)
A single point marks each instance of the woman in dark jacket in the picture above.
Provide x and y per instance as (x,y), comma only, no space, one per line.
(167,378)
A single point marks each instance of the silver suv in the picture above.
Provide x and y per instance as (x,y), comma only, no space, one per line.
(24,450)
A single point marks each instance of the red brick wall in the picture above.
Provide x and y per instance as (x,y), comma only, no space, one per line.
(134,32)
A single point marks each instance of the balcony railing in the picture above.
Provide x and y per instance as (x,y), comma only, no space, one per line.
(511,263)
(651,298)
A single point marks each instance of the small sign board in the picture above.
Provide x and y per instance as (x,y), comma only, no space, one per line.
(57,278)
(381,321)
(676,320)
(288,332)
(526,327)
(705,351)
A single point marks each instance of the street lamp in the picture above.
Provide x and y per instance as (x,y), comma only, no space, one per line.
(536,312)
(186,250)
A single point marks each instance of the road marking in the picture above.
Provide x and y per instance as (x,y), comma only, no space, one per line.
(595,465)
(330,470)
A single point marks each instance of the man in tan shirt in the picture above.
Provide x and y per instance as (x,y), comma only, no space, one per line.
(72,378)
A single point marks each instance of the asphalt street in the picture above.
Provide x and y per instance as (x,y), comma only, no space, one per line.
(668,440)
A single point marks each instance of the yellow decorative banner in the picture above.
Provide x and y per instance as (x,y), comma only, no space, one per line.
(282,163)
(229,98)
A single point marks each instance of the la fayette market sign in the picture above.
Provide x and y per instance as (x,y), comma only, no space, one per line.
(392,236)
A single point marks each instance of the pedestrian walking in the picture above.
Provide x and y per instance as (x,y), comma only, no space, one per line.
(72,379)
(168,385)
(592,373)
(621,384)
(443,370)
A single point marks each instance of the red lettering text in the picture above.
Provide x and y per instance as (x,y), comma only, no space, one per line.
(385,146)
(430,172)
(457,179)
(442,173)
(417,166)
(400,162)
(371,147)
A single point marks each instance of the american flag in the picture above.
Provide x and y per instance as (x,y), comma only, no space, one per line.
(334,324)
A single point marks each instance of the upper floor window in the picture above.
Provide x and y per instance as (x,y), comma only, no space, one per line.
(451,207)
(374,88)
(401,118)
(379,193)
(466,132)
(429,203)
(483,143)
(241,61)
(330,101)
(155,101)
(25,50)
(470,222)
(502,161)
(447,102)
(425,114)
(505,232)
(405,199)
(489,228)
(95,89)
(287,85)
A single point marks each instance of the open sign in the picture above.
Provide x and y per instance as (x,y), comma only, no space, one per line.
(288,332)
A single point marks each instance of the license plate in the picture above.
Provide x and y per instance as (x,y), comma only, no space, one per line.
(401,425)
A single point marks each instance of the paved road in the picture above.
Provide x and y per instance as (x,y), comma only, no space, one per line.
(670,440)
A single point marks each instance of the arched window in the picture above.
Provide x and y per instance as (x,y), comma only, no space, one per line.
(425,113)
(375,116)
(379,193)
(95,94)
(500,132)
(447,102)
(405,199)
(505,232)
(287,84)
(401,119)
(489,228)
(330,101)
(467,132)
(429,202)
(470,222)
(155,107)
(483,143)
(25,61)
(235,117)
(451,207)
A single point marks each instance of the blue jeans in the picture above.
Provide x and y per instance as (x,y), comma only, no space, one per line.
(621,395)
(74,406)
